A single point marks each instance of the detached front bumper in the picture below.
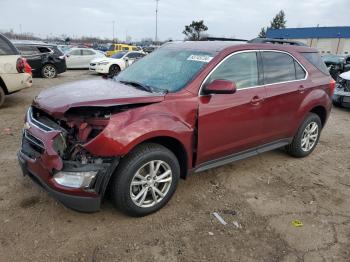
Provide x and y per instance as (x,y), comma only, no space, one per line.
(341,97)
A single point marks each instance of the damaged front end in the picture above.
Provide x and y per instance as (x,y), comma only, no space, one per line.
(341,95)
(53,153)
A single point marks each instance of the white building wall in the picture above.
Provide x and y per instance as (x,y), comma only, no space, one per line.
(335,46)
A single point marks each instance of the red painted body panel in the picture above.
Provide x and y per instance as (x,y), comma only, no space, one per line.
(208,127)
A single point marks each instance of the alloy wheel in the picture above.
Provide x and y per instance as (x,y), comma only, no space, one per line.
(151,183)
(309,137)
(49,71)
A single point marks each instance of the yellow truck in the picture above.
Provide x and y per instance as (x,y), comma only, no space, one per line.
(116,48)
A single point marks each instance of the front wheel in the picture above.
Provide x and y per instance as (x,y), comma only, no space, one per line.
(145,180)
(306,139)
(113,70)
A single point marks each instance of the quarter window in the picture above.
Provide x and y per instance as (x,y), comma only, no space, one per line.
(75,52)
(241,68)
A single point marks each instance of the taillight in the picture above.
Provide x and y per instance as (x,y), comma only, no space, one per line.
(332,87)
(27,67)
(20,65)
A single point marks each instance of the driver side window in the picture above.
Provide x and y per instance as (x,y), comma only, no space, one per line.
(241,68)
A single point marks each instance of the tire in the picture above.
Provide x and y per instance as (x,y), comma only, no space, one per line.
(2,96)
(305,141)
(49,71)
(142,190)
(113,70)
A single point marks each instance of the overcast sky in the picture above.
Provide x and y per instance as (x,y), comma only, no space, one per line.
(239,18)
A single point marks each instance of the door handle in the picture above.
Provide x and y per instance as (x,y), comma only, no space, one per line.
(256,100)
(301,89)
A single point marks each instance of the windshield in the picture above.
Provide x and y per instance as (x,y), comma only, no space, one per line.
(111,48)
(119,55)
(166,70)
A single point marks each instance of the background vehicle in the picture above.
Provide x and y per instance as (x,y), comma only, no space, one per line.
(15,73)
(45,60)
(187,107)
(64,48)
(341,95)
(81,57)
(114,64)
(116,48)
(337,64)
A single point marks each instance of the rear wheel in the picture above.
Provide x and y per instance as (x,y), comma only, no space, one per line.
(113,70)
(306,139)
(2,96)
(49,71)
(145,180)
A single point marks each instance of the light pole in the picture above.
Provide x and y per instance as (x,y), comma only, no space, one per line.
(113,22)
(156,38)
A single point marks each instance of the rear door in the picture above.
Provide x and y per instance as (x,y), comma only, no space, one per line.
(230,123)
(286,86)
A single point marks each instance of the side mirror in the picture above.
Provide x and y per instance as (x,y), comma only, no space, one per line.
(126,59)
(220,86)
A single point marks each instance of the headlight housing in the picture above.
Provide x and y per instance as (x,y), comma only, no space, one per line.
(75,179)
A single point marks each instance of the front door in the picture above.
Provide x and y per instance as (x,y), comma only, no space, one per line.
(231,123)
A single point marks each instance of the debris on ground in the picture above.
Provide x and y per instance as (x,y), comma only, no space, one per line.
(221,220)
(7,131)
(236,224)
(297,223)
(211,233)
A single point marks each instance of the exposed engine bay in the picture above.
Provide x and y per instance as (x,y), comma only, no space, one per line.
(77,127)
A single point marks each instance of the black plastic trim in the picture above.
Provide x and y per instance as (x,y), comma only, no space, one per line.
(242,155)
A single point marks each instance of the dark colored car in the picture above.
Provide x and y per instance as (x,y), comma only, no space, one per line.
(187,107)
(46,60)
(337,64)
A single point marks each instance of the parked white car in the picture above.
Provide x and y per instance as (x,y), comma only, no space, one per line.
(116,63)
(15,72)
(81,57)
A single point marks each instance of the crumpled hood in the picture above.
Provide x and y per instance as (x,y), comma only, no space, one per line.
(98,92)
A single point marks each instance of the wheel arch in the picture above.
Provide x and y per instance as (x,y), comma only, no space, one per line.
(3,86)
(321,112)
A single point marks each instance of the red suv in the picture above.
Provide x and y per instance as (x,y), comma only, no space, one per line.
(187,107)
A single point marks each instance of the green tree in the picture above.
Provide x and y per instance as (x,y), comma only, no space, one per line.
(262,33)
(194,30)
(279,21)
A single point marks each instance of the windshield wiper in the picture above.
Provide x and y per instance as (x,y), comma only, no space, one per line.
(138,85)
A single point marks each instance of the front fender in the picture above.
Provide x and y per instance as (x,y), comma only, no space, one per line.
(128,129)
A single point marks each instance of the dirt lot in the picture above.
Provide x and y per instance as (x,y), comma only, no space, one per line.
(263,194)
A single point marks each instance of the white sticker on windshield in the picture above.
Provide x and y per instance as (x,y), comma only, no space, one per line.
(200,58)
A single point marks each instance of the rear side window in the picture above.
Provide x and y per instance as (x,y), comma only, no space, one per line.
(88,52)
(44,49)
(279,67)
(316,60)
(27,50)
(241,68)
(5,48)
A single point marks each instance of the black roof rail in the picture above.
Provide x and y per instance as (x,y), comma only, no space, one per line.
(275,41)
(222,39)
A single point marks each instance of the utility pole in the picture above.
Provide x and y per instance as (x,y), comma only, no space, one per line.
(113,22)
(156,38)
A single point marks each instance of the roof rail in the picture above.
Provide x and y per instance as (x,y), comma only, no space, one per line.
(275,41)
(222,39)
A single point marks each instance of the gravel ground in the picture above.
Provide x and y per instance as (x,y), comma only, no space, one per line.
(261,195)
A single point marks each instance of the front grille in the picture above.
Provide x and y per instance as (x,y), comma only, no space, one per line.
(32,146)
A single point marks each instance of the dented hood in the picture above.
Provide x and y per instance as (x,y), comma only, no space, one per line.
(98,92)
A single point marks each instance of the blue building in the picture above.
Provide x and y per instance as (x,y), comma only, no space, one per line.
(328,40)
